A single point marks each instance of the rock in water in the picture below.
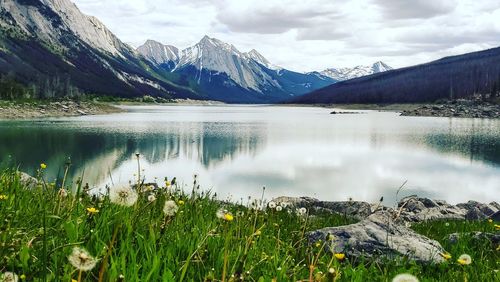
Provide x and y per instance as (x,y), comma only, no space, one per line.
(377,237)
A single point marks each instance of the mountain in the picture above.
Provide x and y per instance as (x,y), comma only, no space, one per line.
(341,74)
(221,72)
(453,77)
(52,47)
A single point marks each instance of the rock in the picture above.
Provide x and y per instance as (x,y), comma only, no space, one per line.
(27,180)
(359,210)
(495,217)
(297,202)
(418,209)
(477,210)
(378,236)
(355,209)
(493,238)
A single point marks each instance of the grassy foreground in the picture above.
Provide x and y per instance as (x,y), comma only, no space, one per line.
(192,239)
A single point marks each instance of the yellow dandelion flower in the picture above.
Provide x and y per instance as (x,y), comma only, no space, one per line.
(446,256)
(258,233)
(43,166)
(490,220)
(228,217)
(497,226)
(340,256)
(4,197)
(168,184)
(22,276)
(92,210)
(318,244)
(464,259)
(181,202)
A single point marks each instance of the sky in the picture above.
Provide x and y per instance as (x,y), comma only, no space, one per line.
(309,35)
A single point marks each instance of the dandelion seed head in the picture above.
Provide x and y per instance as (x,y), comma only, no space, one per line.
(122,195)
(9,277)
(464,259)
(302,211)
(272,205)
(404,277)
(279,208)
(81,259)
(151,198)
(170,208)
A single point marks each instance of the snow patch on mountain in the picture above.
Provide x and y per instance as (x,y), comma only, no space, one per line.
(341,74)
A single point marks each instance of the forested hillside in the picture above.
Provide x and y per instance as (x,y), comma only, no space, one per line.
(449,78)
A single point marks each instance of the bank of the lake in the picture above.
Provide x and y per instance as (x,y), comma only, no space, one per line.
(44,109)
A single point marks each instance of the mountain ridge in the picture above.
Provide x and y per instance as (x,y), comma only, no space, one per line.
(453,77)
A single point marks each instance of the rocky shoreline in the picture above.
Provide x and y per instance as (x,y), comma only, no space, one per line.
(385,232)
(460,108)
(43,109)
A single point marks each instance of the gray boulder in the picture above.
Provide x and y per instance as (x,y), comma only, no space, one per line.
(379,237)
(416,209)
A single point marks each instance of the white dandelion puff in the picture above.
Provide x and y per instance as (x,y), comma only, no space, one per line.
(302,211)
(271,205)
(122,195)
(404,277)
(170,208)
(151,198)
(81,259)
(279,208)
(9,277)
(465,259)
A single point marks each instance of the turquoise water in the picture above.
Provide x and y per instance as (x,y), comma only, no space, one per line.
(293,151)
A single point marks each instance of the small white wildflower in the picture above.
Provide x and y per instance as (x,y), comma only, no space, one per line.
(279,208)
(122,195)
(272,205)
(81,259)
(9,277)
(404,277)
(170,208)
(151,198)
(331,270)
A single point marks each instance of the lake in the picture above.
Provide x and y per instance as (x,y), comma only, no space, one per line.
(295,151)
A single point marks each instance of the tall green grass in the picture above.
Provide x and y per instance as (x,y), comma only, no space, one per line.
(39,229)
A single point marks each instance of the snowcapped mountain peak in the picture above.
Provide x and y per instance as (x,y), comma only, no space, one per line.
(257,57)
(380,67)
(341,74)
(159,53)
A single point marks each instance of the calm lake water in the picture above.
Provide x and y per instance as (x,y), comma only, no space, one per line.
(293,151)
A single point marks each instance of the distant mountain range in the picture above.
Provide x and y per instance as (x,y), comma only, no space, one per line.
(224,73)
(453,77)
(54,50)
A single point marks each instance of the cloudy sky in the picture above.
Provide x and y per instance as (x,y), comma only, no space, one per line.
(313,34)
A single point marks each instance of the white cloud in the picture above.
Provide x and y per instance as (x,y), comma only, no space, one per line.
(314,34)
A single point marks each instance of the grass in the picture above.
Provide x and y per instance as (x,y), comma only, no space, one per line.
(40,227)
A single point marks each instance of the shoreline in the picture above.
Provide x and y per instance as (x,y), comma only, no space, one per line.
(18,110)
